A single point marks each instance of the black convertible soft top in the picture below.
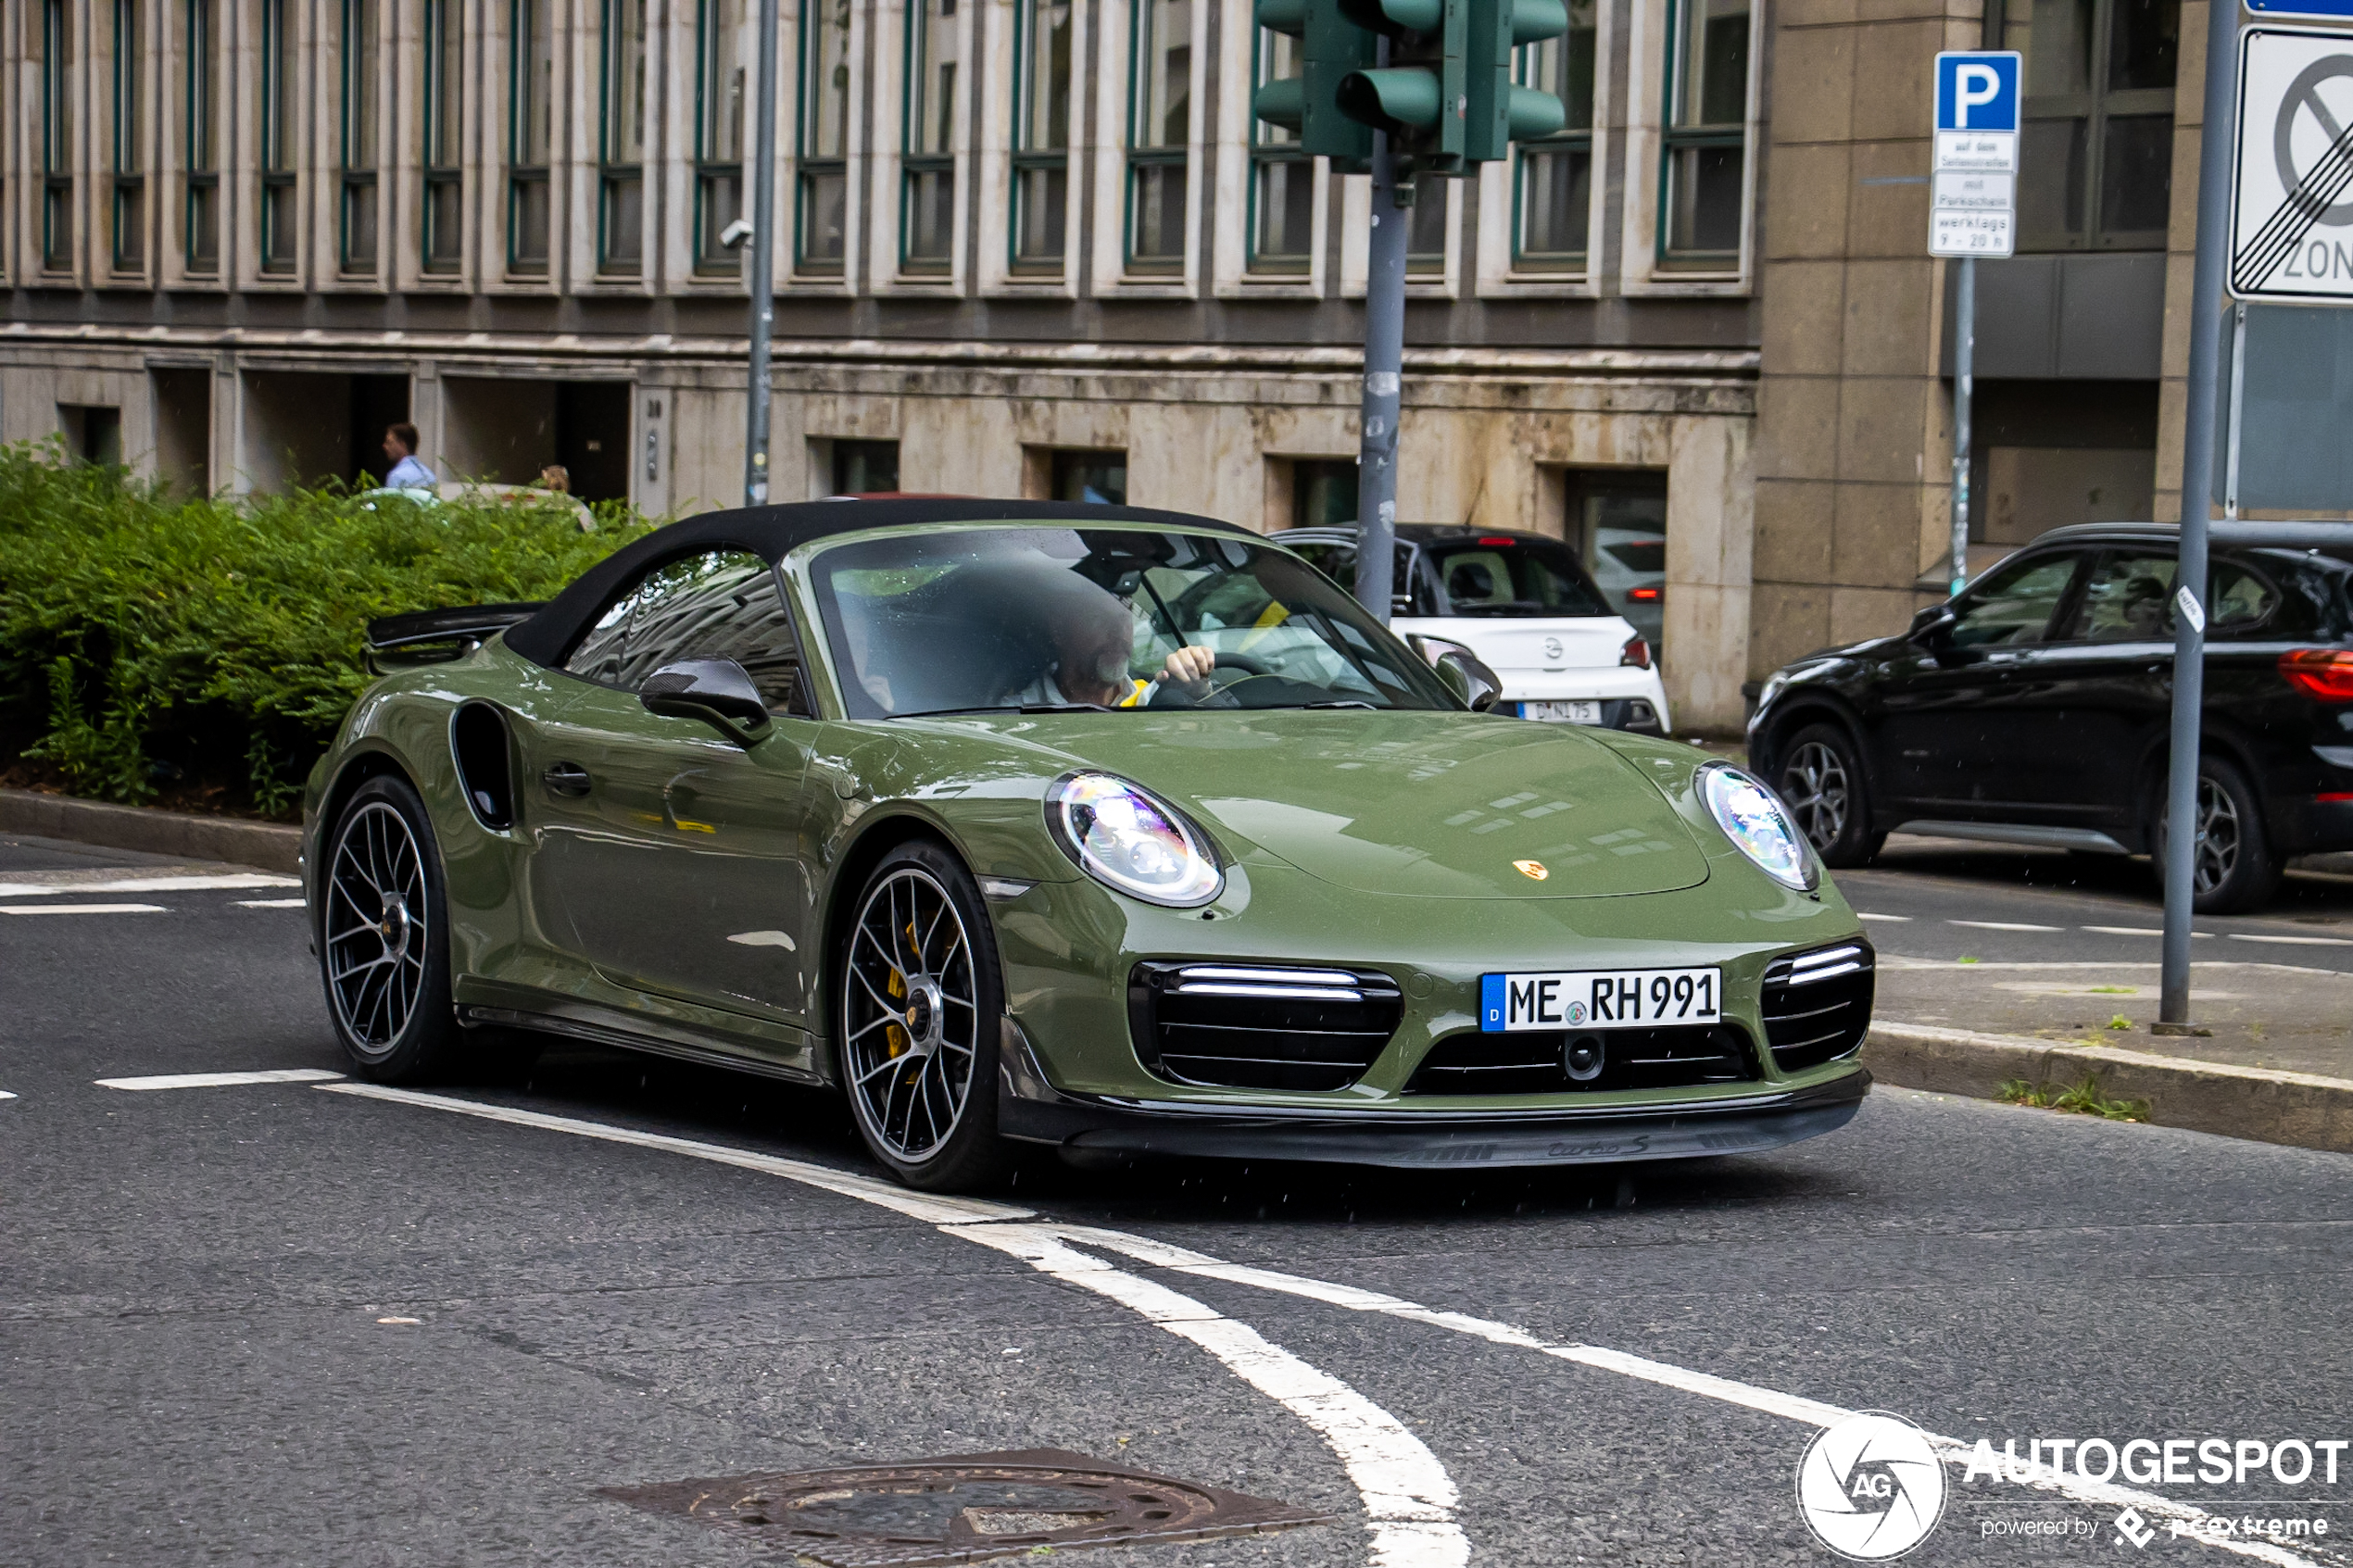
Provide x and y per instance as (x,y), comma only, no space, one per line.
(772,532)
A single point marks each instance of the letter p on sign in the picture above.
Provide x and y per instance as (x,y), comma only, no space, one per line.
(1976,90)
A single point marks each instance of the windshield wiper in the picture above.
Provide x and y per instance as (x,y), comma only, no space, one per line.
(1342,702)
(1065,708)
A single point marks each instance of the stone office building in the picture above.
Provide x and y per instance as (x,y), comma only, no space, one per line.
(1041,248)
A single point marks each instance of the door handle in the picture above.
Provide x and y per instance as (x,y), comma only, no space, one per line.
(566,778)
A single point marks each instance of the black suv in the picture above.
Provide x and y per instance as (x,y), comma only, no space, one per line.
(2033,708)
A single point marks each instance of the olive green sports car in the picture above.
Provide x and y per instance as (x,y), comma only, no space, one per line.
(1114,830)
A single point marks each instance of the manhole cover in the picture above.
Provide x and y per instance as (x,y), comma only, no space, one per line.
(961,1509)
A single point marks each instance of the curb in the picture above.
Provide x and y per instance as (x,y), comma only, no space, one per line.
(2301,1109)
(270,847)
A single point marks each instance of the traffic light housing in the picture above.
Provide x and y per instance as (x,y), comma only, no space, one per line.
(1331,48)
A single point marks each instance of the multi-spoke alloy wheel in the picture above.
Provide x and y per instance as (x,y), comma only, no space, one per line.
(376,929)
(919,1011)
(384,950)
(2231,865)
(1814,783)
(2216,854)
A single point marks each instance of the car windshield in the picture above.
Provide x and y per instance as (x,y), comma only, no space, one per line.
(1499,575)
(985,618)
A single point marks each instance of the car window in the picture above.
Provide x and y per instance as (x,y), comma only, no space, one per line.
(1338,562)
(2015,605)
(1502,575)
(721,603)
(2129,598)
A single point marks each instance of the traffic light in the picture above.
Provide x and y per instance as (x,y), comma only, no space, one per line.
(1496,113)
(1331,47)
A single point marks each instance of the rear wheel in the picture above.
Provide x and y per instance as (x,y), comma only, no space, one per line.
(383,936)
(1821,782)
(2232,866)
(922,1004)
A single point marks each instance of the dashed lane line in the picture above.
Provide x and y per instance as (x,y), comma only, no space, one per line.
(269,903)
(5,1095)
(2002,925)
(1890,918)
(2143,931)
(219,1080)
(83,910)
(2293,940)
(1406,1491)
(146,884)
(1408,1496)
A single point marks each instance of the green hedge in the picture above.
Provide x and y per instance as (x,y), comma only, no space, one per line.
(147,637)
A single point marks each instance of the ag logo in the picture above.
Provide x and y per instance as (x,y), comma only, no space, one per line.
(1553,647)
(1871,1487)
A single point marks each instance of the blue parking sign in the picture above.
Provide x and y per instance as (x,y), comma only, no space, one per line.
(1976,90)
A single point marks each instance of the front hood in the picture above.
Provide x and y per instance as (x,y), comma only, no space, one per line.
(1435,805)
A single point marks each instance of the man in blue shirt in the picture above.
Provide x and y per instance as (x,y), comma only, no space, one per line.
(400,448)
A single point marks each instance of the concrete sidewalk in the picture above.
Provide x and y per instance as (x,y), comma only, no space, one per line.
(2277,1067)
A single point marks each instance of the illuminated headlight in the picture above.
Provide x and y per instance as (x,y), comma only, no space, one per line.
(1128,841)
(1753,821)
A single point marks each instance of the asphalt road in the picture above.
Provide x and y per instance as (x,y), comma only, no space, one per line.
(282,1323)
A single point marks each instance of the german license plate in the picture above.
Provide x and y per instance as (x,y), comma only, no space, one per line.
(1600,998)
(1576,712)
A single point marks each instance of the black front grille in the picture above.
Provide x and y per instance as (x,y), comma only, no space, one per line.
(1817,1005)
(1256,1027)
(1629,1059)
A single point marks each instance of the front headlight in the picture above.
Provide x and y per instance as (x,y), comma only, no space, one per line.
(1752,818)
(1132,842)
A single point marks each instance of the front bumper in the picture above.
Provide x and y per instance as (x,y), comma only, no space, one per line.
(1031,1109)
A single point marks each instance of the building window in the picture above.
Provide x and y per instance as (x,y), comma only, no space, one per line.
(821,218)
(56,136)
(200,227)
(1425,233)
(2095,163)
(1282,177)
(1552,178)
(1041,133)
(1099,478)
(129,205)
(356,138)
(445,137)
(865,468)
(621,141)
(927,169)
(531,106)
(1705,168)
(721,94)
(281,215)
(1160,116)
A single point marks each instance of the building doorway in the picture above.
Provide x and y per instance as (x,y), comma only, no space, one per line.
(592,437)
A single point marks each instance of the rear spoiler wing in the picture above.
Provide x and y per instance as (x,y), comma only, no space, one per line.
(437,636)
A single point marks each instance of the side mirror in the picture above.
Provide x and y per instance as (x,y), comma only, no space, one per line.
(1934,623)
(717,691)
(1465,674)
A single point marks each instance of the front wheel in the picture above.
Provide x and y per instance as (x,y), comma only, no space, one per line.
(2231,866)
(1821,781)
(921,1003)
(383,936)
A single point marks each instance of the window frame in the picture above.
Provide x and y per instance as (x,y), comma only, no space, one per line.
(916,108)
(1259,152)
(2095,104)
(200,131)
(1139,160)
(278,143)
(708,171)
(1022,158)
(126,161)
(809,169)
(439,167)
(1673,138)
(522,174)
(57,137)
(356,99)
(1571,141)
(614,176)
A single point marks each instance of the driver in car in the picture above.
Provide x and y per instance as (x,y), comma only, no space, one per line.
(1093,638)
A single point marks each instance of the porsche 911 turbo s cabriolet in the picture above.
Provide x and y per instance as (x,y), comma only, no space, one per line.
(1117,831)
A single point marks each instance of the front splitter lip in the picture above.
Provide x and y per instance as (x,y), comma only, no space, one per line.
(1612,1135)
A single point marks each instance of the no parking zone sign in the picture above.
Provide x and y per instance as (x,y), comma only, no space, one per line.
(2292,168)
(1974,208)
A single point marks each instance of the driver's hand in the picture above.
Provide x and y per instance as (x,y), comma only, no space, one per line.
(1189,667)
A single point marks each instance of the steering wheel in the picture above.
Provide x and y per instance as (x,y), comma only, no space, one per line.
(1248,664)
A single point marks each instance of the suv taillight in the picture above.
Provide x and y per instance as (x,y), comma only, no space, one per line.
(2326,673)
(1636,652)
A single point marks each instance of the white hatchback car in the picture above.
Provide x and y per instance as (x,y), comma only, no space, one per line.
(1525,606)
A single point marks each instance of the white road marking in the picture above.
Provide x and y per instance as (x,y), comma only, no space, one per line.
(219,1080)
(1860,915)
(2002,925)
(83,910)
(5,1095)
(2142,931)
(1412,1523)
(1408,1496)
(2297,941)
(763,939)
(148,884)
(269,903)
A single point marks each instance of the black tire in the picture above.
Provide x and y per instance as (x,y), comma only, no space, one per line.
(2233,870)
(903,1001)
(1820,780)
(384,938)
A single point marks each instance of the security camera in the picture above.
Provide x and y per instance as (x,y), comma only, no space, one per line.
(735,233)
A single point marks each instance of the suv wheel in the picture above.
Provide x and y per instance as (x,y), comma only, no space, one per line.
(2232,866)
(1821,782)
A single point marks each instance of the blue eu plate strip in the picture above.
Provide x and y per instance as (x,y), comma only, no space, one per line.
(1490,1004)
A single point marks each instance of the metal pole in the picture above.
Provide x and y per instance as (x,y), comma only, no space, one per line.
(1384,355)
(2197,504)
(1964,393)
(2238,390)
(763,265)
